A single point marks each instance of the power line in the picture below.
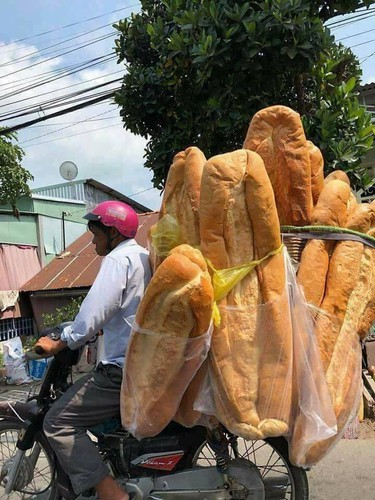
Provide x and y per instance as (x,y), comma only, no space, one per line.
(67,126)
(70,25)
(52,103)
(61,88)
(58,53)
(139,192)
(64,39)
(356,34)
(89,102)
(362,43)
(72,135)
(353,19)
(74,123)
(51,58)
(76,69)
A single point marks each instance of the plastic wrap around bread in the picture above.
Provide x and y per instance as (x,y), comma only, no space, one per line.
(348,294)
(251,353)
(277,135)
(170,339)
(368,317)
(179,212)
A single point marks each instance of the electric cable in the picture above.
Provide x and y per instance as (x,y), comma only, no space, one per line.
(72,135)
(71,24)
(85,65)
(50,59)
(90,102)
(65,127)
(37,54)
(61,88)
(51,103)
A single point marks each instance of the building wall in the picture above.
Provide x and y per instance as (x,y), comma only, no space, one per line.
(22,231)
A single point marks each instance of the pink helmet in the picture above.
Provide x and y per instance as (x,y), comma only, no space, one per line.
(116,214)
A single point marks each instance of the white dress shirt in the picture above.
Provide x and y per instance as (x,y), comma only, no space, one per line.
(113,297)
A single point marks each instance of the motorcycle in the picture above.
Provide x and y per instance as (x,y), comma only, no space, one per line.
(178,464)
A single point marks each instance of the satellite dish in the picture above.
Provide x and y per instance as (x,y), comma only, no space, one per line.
(68,170)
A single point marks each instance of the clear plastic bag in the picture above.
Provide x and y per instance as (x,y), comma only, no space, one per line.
(313,416)
(249,383)
(344,381)
(271,382)
(151,394)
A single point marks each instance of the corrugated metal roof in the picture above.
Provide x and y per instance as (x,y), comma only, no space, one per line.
(74,190)
(368,86)
(78,266)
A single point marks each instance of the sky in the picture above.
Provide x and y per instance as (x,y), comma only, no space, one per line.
(61,41)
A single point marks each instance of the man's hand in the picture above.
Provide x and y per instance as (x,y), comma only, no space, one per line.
(49,346)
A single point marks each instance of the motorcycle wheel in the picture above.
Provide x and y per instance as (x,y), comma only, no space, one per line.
(281,479)
(40,484)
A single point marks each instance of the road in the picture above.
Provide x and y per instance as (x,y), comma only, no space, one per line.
(346,473)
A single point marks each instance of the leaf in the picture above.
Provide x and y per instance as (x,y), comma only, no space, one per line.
(349,86)
(292,52)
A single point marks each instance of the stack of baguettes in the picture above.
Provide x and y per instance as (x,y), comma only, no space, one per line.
(337,276)
(231,207)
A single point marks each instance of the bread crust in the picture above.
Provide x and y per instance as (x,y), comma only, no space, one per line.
(181,198)
(317,171)
(331,210)
(277,135)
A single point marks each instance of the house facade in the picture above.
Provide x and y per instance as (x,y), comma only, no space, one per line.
(49,221)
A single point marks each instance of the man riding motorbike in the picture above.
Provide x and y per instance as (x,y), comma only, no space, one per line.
(94,398)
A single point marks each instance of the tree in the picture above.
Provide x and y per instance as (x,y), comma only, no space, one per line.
(198,70)
(13,177)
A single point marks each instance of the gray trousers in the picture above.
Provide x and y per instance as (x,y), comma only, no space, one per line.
(93,399)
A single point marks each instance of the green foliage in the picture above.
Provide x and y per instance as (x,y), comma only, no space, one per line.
(13,177)
(335,120)
(66,313)
(198,70)
(29,342)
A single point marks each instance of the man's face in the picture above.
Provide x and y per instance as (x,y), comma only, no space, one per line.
(100,241)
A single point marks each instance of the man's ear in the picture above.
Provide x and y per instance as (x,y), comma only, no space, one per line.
(113,232)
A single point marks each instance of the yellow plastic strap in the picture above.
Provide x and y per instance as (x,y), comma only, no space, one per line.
(224,280)
(165,235)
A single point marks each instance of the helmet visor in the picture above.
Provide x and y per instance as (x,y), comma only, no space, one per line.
(91,216)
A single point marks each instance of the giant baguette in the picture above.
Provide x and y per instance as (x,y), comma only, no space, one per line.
(235,360)
(176,308)
(331,210)
(368,317)
(337,175)
(317,171)
(344,269)
(276,134)
(239,223)
(274,399)
(181,200)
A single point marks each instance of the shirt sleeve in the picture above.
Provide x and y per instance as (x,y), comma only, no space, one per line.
(100,304)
